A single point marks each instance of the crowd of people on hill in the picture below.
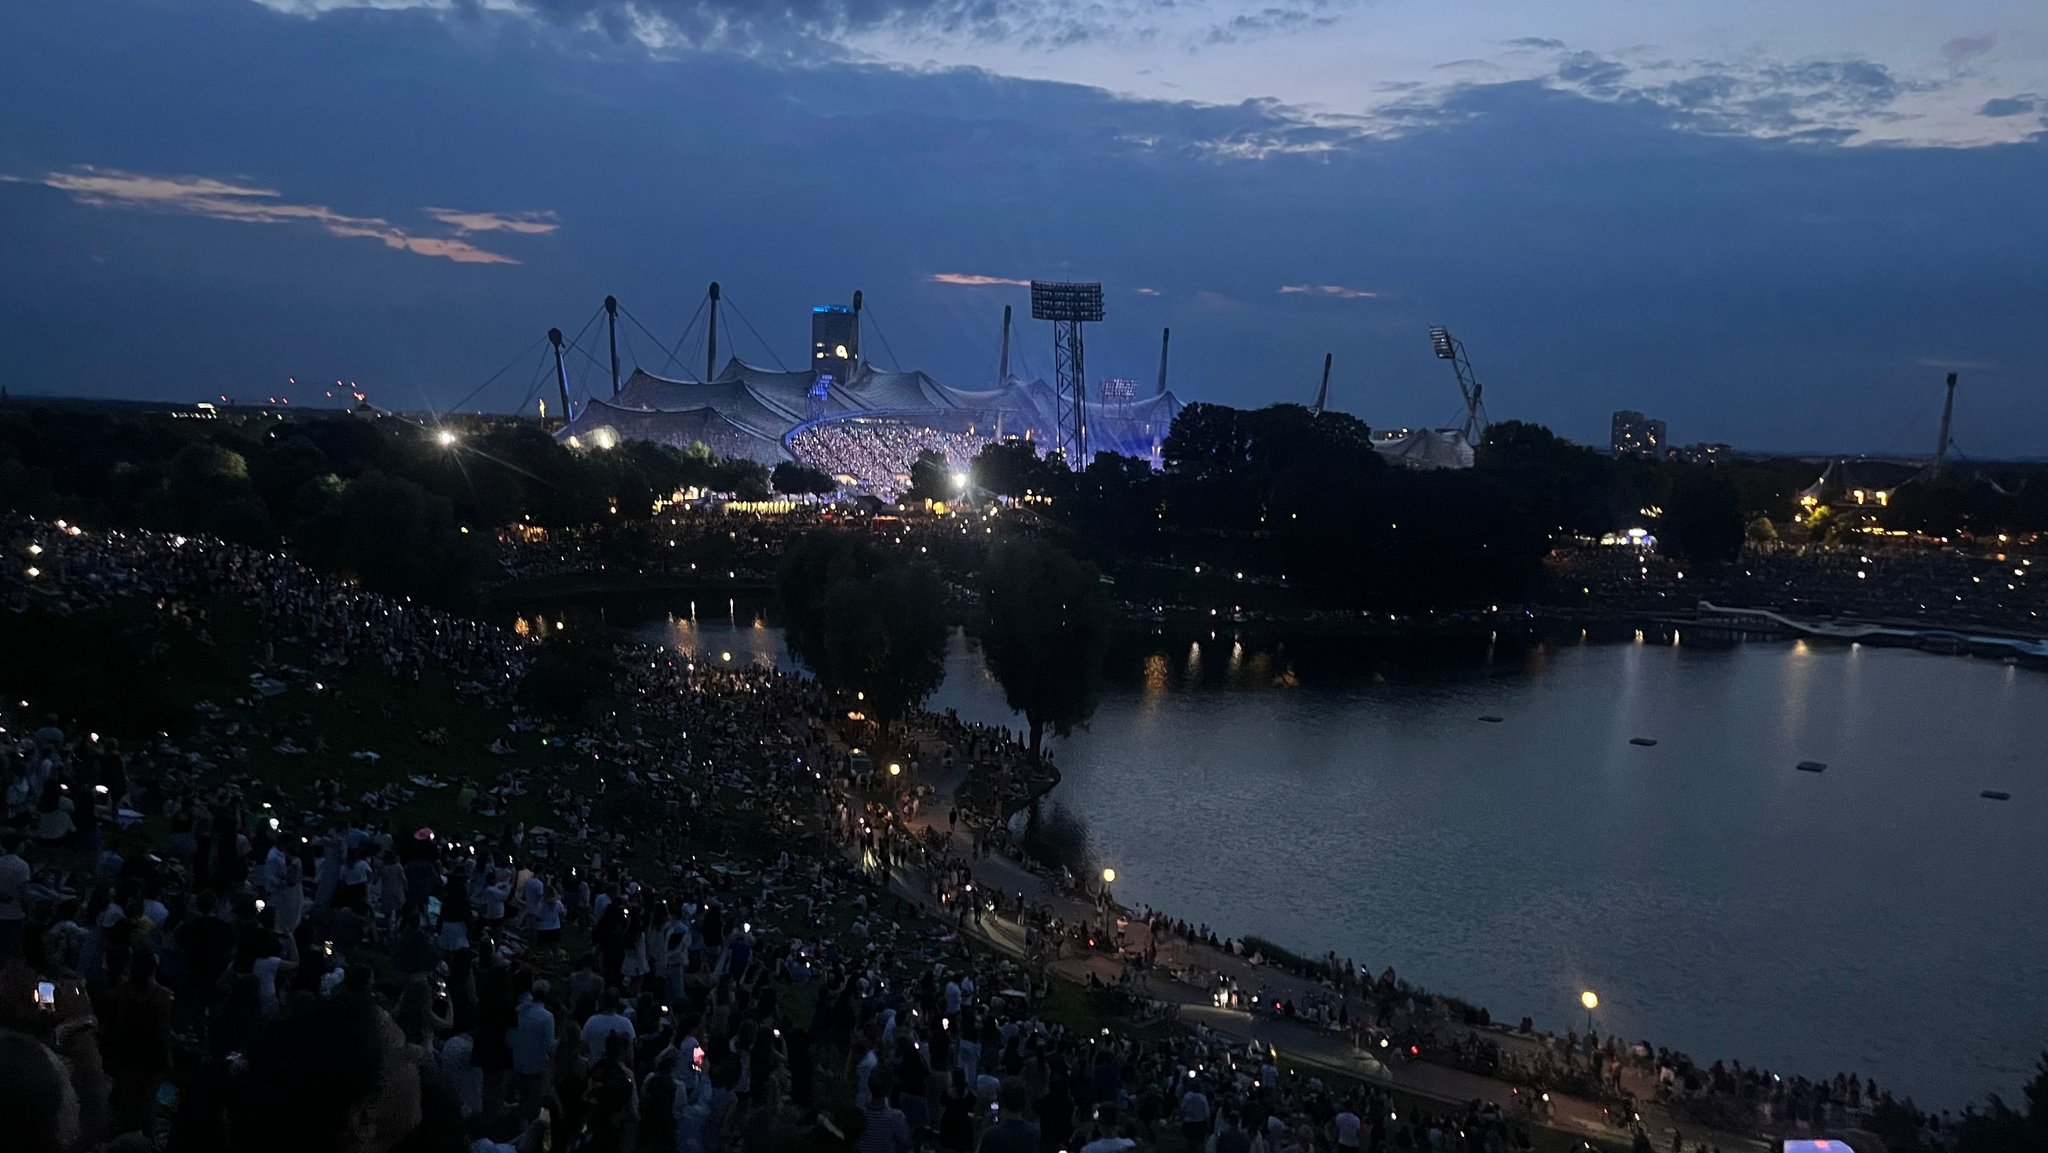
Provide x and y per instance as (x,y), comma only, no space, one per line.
(878,454)
(193,956)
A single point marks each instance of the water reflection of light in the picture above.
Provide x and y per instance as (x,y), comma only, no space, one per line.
(1155,674)
(1236,658)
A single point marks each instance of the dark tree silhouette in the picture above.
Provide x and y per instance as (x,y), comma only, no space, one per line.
(793,479)
(1011,468)
(1045,631)
(931,478)
(869,627)
(1702,519)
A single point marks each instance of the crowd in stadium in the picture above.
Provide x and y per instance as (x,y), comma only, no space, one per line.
(878,454)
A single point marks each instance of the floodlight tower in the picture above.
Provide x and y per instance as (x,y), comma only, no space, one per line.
(1450,348)
(1068,306)
(1323,393)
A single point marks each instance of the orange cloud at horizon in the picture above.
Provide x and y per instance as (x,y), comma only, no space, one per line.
(241,203)
(977,280)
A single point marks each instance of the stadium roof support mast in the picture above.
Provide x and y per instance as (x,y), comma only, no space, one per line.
(1323,393)
(711,337)
(1003,363)
(1068,306)
(1948,410)
(1450,348)
(562,375)
(856,329)
(1165,338)
(611,313)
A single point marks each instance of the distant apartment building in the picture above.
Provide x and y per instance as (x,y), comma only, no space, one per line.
(1633,434)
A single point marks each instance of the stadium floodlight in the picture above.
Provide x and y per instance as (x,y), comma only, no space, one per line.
(1064,300)
(1448,347)
(1068,305)
(446,437)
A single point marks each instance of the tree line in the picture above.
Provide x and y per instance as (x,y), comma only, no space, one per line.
(1282,495)
(396,504)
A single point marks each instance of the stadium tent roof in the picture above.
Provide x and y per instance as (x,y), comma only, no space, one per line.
(602,424)
(762,408)
(1427,448)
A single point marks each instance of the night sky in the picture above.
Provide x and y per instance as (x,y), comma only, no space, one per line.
(1772,224)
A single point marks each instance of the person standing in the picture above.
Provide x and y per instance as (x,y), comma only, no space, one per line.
(14,878)
(886,1129)
(1013,1132)
(1346,1127)
(137,1042)
(609,1020)
(1195,1118)
(1230,1136)
(532,1041)
(956,1116)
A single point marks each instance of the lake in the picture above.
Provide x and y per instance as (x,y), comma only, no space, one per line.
(1879,917)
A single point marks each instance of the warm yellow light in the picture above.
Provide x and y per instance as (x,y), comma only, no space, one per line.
(895,770)
(1109,876)
(1590,999)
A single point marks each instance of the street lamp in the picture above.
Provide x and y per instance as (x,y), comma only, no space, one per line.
(895,770)
(446,437)
(1109,876)
(1591,1001)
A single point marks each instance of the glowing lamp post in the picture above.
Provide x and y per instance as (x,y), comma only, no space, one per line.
(895,770)
(1591,1001)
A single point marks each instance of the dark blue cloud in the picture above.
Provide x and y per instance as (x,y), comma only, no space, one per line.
(1593,73)
(2011,106)
(1592,257)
